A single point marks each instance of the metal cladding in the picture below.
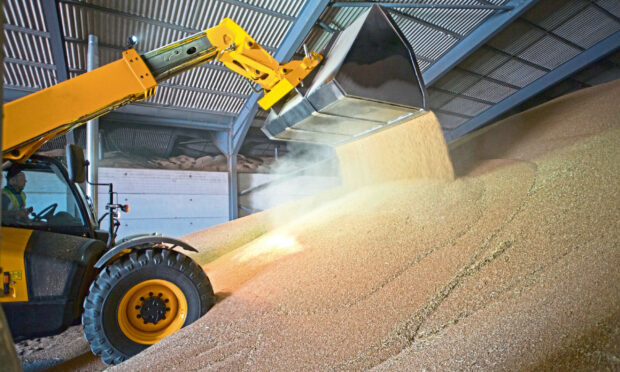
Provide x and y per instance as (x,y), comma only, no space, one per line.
(370,79)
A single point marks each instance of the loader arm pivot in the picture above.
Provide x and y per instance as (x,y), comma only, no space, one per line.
(31,121)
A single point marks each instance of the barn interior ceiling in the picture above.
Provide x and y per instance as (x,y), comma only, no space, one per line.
(481,60)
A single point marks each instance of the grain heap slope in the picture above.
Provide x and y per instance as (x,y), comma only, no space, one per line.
(513,265)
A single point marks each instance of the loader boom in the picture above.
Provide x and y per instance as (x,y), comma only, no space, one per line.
(31,121)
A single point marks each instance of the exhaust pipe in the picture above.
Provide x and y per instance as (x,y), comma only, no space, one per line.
(369,80)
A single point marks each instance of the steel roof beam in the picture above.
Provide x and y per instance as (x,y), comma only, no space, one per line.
(54,27)
(53,24)
(487,78)
(577,63)
(422,6)
(25,30)
(11,93)
(516,57)
(489,28)
(259,9)
(433,26)
(136,17)
(24,62)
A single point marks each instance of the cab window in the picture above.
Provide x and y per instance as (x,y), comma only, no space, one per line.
(49,201)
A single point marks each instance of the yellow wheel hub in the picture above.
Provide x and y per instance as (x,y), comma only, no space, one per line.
(152,310)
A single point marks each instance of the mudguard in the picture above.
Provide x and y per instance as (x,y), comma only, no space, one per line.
(142,243)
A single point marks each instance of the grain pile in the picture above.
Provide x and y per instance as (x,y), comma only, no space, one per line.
(513,265)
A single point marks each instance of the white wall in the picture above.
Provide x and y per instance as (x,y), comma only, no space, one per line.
(176,203)
(170,202)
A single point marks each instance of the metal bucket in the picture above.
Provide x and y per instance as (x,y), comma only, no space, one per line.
(369,80)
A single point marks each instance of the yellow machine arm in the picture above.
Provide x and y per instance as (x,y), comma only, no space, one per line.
(31,121)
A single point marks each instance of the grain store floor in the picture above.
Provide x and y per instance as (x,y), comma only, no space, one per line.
(512,266)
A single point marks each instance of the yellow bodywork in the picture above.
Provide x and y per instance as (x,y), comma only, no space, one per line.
(32,120)
(12,247)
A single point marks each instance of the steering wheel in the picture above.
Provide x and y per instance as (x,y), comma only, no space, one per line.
(46,212)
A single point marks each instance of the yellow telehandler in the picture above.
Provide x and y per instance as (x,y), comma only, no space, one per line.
(58,266)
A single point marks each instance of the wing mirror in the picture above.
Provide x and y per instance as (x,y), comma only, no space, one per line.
(76,164)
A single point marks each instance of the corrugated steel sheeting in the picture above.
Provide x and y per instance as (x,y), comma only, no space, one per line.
(156,23)
(545,37)
(24,13)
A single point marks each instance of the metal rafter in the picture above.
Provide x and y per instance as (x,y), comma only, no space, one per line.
(208,116)
(23,62)
(421,6)
(147,20)
(54,27)
(25,30)
(259,9)
(148,119)
(485,31)
(460,95)
(162,84)
(577,63)
(515,57)
(525,47)
(131,16)
(57,44)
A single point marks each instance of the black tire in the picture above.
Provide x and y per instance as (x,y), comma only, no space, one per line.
(101,306)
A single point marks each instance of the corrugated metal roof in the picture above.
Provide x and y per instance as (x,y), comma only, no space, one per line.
(546,36)
(24,13)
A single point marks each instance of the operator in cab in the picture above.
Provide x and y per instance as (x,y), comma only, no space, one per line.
(13,197)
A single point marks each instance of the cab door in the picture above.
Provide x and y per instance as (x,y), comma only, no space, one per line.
(47,260)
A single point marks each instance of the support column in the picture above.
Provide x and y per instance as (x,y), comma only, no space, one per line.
(92,129)
(233,180)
